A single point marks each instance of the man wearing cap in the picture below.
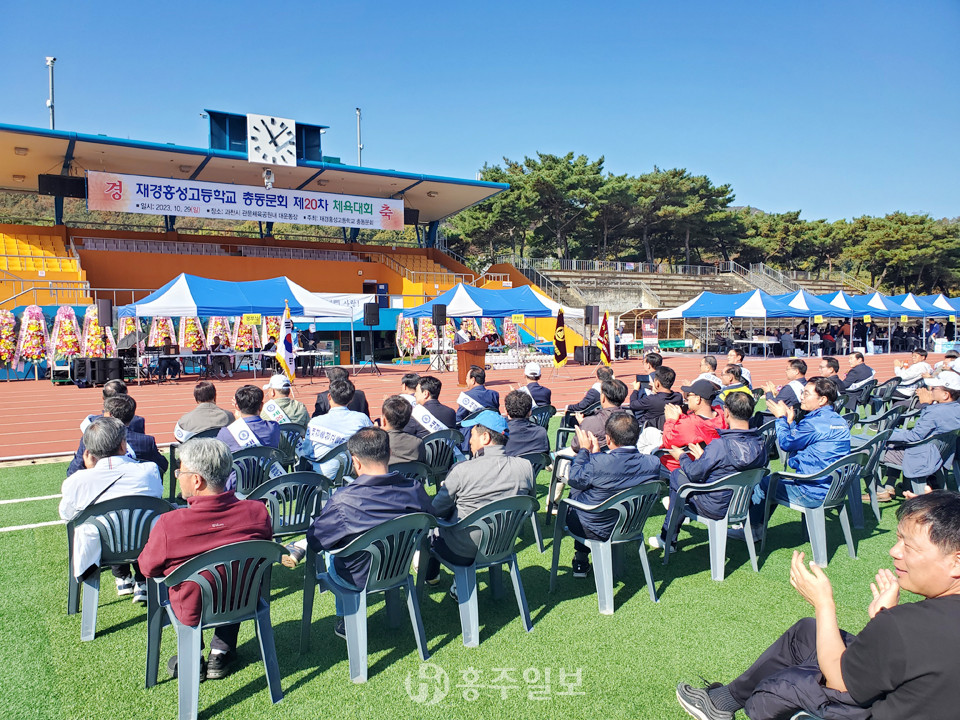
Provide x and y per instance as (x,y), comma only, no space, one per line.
(524,436)
(490,475)
(533,388)
(279,406)
(476,397)
(939,413)
(700,425)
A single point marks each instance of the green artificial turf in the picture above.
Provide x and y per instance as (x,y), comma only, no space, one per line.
(629,663)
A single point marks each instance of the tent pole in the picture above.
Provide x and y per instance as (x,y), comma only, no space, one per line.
(706,345)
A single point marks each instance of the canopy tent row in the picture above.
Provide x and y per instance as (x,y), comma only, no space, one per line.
(467,301)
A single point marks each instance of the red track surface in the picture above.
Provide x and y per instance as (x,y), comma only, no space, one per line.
(38,418)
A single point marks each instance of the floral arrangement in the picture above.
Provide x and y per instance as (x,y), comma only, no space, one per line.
(218,327)
(406,336)
(98,340)
(271,328)
(160,327)
(511,336)
(8,338)
(450,332)
(428,334)
(127,326)
(469,325)
(33,342)
(65,340)
(245,337)
(487,326)
(191,335)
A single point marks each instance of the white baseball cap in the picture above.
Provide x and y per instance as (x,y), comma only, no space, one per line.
(277,382)
(531,370)
(948,379)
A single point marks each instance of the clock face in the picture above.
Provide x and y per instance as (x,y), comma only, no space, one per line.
(271,140)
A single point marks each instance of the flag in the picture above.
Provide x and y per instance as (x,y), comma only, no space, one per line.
(603,340)
(286,356)
(559,342)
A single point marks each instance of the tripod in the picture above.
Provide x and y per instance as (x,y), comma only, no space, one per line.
(371,364)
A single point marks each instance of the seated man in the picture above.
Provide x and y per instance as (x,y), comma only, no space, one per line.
(334,427)
(471,484)
(429,415)
(541,395)
(139,446)
(108,473)
(111,388)
(213,517)
(248,429)
(649,408)
(167,365)
(735,357)
(592,395)
(408,387)
(736,449)
(901,665)
(220,362)
(597,476)
(939,413)
(829,368)
(404,447)
(732,383)
(911,375)
(612,395)
(790,393)
(524,436)
(701,425)
(279,406)
(649,364)
(207,415)
(476,397)
(270,361)
(377,495)
(787,343)
(859,374)
(357,404)
(708,370)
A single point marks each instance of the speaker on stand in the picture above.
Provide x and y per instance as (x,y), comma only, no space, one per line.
(371,317)
(439,361)
(591,318)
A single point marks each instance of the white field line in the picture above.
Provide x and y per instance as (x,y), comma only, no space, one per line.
(30,527)
(20,500)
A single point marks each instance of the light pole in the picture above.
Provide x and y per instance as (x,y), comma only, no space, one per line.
(359,144)
(50,62)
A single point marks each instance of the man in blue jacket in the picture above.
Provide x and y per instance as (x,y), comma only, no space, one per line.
(476,396)
(140,447)
(940,413)
(524,436)
(596,476)
(738,448)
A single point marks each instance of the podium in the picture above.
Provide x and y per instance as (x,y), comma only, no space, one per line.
(469,353)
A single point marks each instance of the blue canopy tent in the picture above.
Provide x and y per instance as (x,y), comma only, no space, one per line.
(929,309)
(467,301)
(941,302)
(807,304)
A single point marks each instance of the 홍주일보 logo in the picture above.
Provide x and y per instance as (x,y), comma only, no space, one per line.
(430,687)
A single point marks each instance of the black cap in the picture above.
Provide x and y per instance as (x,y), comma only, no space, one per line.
(704,388)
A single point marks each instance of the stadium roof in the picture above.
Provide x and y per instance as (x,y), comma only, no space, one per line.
(26,152)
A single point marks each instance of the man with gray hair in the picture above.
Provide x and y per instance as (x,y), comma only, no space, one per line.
(108,473)
(214,517)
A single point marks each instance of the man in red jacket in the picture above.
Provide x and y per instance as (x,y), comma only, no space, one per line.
(700,425)
(213,518)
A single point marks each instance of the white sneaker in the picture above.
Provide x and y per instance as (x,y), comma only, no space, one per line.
(656,543)
(140,594)
(230,373)
(124,586)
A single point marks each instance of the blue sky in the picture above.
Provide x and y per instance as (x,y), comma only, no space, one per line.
(836,108)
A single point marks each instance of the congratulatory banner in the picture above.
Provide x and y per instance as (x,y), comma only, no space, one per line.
(189,198)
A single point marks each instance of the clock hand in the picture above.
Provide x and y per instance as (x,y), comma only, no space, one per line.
(281,147)
(273,139)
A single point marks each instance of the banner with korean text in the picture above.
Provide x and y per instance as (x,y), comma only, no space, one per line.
(189,198)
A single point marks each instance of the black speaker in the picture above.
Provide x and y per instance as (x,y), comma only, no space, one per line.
(371,314)
(411,216)
(588,355)
(62,185)
(439,315)
(105,312)
(591,314)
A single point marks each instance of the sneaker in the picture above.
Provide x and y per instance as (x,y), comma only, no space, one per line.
(140,594)
(657,542)
(697,703)
(124,586)
(452,592)
(340,629)
(295,552)
(230,373)
(581,567)
(219,664)
(434,581)
(172,668)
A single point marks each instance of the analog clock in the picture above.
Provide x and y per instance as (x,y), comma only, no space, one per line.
(271,140)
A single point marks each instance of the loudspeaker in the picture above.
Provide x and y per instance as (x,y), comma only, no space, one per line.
(411,216)
(371,314)
(62,185)
(105,369)
(591,314)
(590,357)
(105,312)
(439,315)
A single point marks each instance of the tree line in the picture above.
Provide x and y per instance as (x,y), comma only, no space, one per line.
(568,207)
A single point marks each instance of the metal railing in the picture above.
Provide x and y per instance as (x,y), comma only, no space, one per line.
(648,297)
(757,280)
(418,276)
(777,276)
(837,276)
(550,263)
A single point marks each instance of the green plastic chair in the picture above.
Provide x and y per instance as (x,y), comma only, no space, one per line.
(254,466)
(874,447)
(882,395)
(842,473)
(345,467)
(290,436)
(768,431)
(541,415)
(440,453)
(175,461)
(414,470)
(740,486)
(633,506)
(539,461)
(497,524)
(234,582)
(888,420)
(564,436)
(391,546)
(124,525)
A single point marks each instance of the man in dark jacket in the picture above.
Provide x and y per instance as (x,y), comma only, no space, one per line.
(791,392)
(541,395)
(738,448)
(597,476)
(377,495)
(429,415)
(830,369)
(111,388)
(860,373)
(404,447)
(357,404)
(592,397)
(140,446)
(649,408)
(476,396)
(612,395)
(523,435)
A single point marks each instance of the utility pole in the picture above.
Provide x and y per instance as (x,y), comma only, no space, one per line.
(359,144)
(50,62)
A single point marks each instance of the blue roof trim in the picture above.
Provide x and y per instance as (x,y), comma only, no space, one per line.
(244,115)
(228,155)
